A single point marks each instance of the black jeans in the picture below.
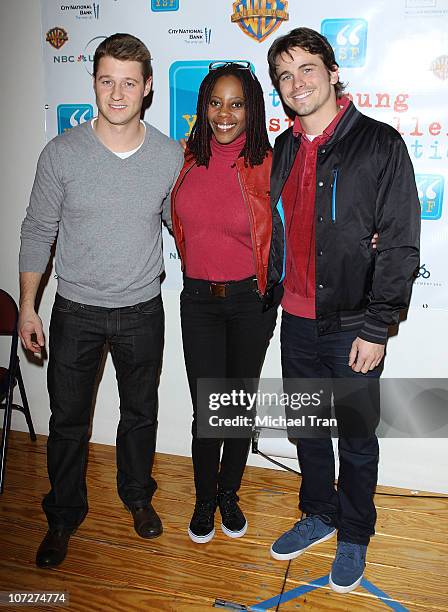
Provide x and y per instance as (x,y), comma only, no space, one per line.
(78,334)
(223,337)
(305,354)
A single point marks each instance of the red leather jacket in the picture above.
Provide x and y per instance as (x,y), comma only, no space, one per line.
(254,182)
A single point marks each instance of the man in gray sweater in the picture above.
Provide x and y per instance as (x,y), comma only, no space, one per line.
(102,188)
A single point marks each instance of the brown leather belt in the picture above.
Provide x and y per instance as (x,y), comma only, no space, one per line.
(221,290)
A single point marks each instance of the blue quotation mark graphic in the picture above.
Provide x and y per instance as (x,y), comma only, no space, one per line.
(348,37)
(71,115)
(430,189)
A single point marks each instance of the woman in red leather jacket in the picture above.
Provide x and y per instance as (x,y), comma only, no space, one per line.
(222,224)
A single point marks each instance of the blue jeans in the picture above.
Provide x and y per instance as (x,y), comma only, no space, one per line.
(78,335)
(350,508)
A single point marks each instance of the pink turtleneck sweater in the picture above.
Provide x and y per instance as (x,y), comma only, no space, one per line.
(215,218)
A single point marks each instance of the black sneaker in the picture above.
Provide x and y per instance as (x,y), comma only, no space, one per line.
(202,524)
(234,522)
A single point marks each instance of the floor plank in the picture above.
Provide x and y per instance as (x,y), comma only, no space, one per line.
(109,567)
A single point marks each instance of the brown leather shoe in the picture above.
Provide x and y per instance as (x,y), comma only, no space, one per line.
(53,548)
(147,523)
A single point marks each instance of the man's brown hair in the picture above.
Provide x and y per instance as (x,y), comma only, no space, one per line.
(308,40)
(124,47)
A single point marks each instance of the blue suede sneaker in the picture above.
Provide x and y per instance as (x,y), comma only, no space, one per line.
(306,533)
(348,567)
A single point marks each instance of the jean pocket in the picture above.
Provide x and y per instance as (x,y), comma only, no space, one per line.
(190,295)
(150,307)
(61,304)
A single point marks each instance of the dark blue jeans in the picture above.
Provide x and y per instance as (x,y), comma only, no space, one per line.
(305,354)
(78,334)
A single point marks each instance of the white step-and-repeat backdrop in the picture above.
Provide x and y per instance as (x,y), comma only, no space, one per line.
(393,55)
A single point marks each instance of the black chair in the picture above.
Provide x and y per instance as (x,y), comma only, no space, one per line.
(10,377)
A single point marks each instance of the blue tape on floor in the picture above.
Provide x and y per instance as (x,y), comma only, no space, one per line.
(320,582)
(383,596)
(292,594)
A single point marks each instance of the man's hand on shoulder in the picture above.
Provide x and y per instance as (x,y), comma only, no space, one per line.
(30,323)
(365,355)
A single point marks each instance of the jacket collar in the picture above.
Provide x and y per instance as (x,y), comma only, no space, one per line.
(348,120)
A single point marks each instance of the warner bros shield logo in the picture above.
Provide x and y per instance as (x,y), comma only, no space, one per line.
(259,18)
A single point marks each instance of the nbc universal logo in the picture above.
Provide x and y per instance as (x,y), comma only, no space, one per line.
(82,11)
(71,115)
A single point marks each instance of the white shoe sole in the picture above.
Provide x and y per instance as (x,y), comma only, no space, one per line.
(345,589)
(297,553)
(201,539)
(234,534)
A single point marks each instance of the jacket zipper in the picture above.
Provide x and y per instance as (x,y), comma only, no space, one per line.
(333,196)
(281,213)
(183,178)
(278,206)
(251,223)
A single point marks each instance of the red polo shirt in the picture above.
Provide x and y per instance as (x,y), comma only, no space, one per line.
(298,198)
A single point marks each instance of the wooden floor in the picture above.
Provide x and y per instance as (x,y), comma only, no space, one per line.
(109,568)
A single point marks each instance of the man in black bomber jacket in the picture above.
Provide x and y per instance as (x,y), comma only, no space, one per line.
(337,178)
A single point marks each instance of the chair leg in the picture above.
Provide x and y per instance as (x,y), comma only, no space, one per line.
(5,432)
(26,408)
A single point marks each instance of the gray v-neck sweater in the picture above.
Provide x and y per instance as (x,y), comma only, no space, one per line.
(106,213)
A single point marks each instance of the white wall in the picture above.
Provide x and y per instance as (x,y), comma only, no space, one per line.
(418,351)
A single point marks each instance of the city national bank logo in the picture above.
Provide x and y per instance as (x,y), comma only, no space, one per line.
(83,11)
(56,37)
(421,3)
(259,18)
(192,35)
(164,5)
(430,189)
(348,37)
(71,115)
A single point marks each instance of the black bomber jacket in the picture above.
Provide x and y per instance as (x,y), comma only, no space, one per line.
(364,184)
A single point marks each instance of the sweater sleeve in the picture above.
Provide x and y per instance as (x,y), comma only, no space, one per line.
(43,214)
(398,225)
